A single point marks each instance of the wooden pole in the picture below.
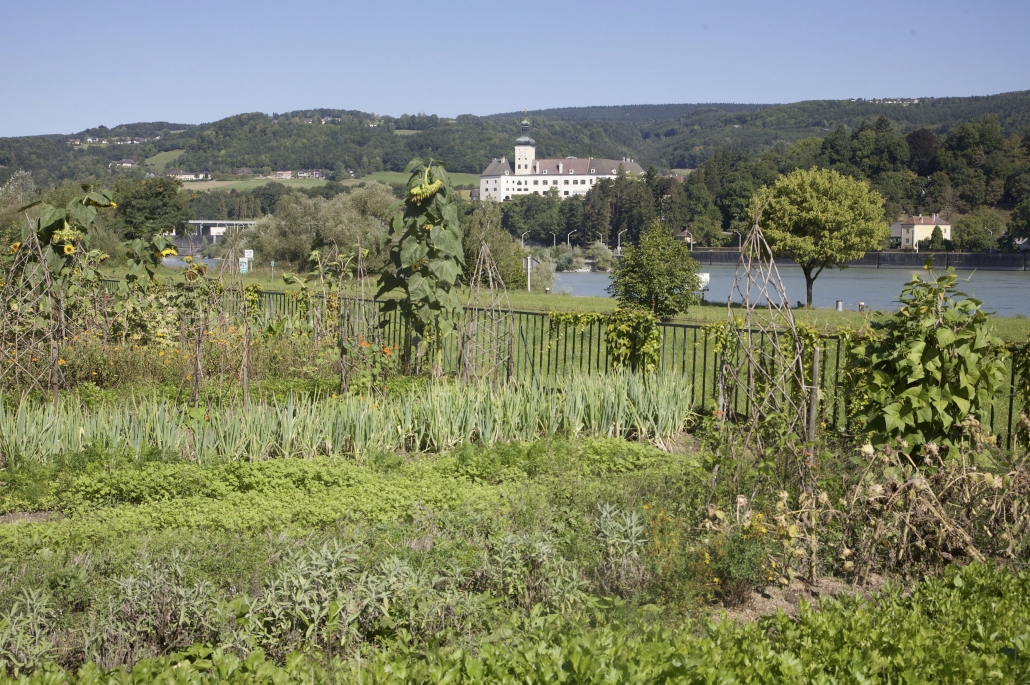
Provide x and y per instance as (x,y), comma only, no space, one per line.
(813,398)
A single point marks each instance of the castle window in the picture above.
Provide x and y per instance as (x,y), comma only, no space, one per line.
(536,183)
(566,192)
(593,171)
(566,183)
(545,171)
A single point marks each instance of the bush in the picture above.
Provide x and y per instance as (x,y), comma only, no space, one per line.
(925,369)
(658,275)
(738,561)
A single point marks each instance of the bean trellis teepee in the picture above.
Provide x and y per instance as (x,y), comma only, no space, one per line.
(764,356)
(30,321)
(488,329)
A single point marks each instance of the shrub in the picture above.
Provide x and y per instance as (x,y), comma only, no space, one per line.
(927,368)
(658,274)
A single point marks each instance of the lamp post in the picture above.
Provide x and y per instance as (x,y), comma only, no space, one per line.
(568,238)
(739,237)
(554,239)
(524,239)
(619,239)
(990,246)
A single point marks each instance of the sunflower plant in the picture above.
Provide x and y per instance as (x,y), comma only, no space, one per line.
(422,274)
(64,236)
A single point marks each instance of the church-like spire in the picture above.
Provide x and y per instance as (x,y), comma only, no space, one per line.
(524,139)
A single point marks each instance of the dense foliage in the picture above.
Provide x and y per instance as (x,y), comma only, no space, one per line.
(929,369)
(819,219)
(425,259)
(657,274)
(967,626)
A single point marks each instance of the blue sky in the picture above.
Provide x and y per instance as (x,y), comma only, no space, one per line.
(68,66)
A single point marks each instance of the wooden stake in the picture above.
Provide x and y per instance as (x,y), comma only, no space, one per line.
(813,399)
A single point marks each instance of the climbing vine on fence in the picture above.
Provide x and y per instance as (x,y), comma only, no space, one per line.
(631,336)
(1021,382)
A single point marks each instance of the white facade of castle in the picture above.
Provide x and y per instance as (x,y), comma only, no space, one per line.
(503,180)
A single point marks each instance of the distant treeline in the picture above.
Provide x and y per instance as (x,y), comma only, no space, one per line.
(973,168)
(345,141)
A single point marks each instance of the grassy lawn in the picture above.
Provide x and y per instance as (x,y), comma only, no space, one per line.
(162,160)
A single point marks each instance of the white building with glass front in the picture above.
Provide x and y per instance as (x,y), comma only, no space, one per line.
(525,174)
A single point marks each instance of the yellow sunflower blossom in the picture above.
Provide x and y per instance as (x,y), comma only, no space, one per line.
(69,248)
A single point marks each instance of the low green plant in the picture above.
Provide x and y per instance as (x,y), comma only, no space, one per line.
(967,626)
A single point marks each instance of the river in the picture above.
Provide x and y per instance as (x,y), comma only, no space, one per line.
(1006,293)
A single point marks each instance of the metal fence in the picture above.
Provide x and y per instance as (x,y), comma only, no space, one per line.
(546,348)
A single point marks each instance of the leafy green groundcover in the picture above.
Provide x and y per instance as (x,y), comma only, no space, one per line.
(101,499)
(970,626)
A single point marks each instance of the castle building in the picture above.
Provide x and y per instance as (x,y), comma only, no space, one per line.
(503,180)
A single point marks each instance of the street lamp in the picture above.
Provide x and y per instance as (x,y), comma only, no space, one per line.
(990,247)
(568,238)
(554,240)
(619,239)
(524,239)
(738,238)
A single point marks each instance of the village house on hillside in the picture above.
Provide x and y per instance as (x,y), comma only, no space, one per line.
(282,175)
(907,234)
(527,174)
(180,175)
(128,163)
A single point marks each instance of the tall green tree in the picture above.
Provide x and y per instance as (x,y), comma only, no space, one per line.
(1019,222)
(978,230)
(657,274)
(820,218)
(152,206)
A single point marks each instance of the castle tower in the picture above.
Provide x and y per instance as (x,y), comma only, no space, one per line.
(525,151)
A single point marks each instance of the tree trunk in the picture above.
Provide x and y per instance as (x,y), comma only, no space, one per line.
(809,280)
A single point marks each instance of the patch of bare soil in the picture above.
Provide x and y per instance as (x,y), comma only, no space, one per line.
(788,599)
(680,443)
(31,517)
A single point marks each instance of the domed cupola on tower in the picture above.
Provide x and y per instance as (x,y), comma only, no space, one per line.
(525,151)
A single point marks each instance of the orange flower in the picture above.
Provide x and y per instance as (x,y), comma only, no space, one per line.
(61,362)
(386,351)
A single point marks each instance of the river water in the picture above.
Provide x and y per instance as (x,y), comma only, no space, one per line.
(1006,293)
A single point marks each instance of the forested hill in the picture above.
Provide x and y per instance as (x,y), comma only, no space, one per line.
(341,141)
(634,114)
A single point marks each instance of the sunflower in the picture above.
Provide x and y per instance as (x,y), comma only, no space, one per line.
(69,248)
(169,252)
(14,247)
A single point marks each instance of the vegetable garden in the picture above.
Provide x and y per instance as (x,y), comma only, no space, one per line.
(202,482)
